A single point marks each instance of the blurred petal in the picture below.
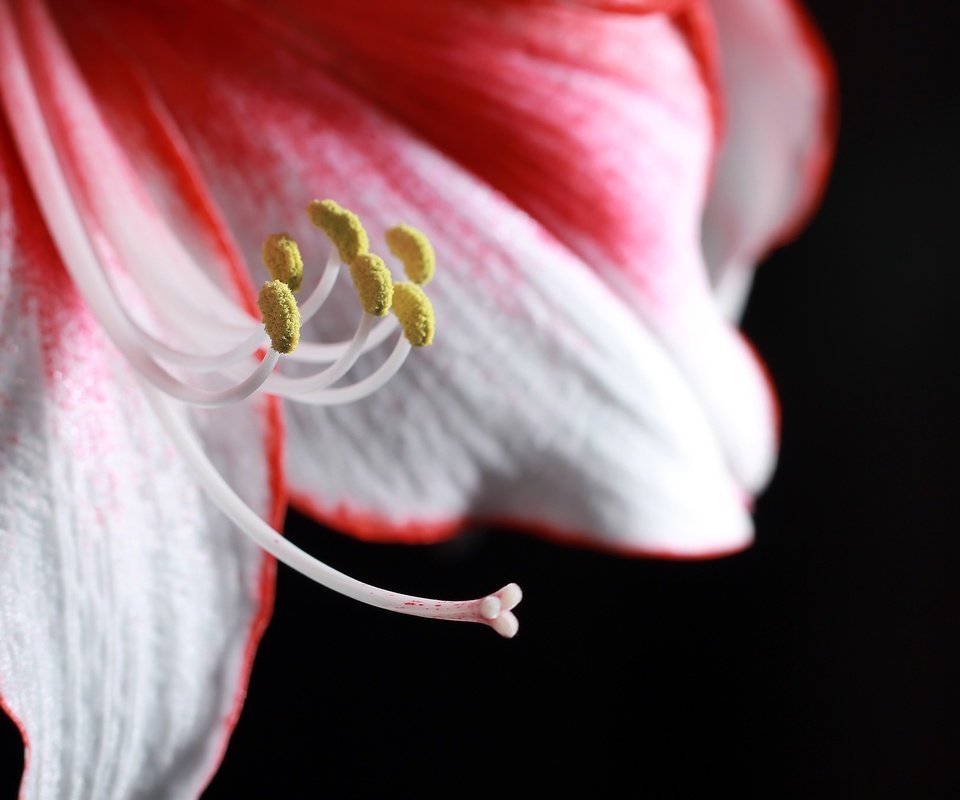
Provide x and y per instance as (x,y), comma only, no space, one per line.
(642,6)
(780,128)
(530,311)
(129,608)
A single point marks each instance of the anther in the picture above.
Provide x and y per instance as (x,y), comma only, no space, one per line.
(415,313)
(281,317)
(413,248)
(343,228)
(281,257)
(373,283)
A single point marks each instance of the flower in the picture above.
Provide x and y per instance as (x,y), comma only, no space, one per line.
(586,383)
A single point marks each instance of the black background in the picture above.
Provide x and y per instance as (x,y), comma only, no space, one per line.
(817,664)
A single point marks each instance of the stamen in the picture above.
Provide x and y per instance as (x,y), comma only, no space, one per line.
(320,293)
(341,395)
(373,283)
(415,312)
(323,353)
(343,227)
(494,610)
(205,398)
(413,248)
(281,317)
(284,386)
(281,257)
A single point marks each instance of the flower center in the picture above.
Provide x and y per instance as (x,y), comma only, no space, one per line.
(95,232)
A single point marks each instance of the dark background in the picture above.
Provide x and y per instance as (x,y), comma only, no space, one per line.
(817,664)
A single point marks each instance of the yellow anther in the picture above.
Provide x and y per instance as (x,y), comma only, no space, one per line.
(415,312)
(281,317)
(281,257)
(373,283)
(342,227)
(413,248)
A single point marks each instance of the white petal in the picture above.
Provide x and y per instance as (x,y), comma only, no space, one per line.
(129,608)
(543,403)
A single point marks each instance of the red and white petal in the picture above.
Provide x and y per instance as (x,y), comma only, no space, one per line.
(780,129)
(473,428)
(600,125)
(180,278)
(129,607)
(543,404)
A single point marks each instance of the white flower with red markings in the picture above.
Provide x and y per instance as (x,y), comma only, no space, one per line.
(596,181)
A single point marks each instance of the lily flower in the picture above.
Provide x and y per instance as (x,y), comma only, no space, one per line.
(596,180)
